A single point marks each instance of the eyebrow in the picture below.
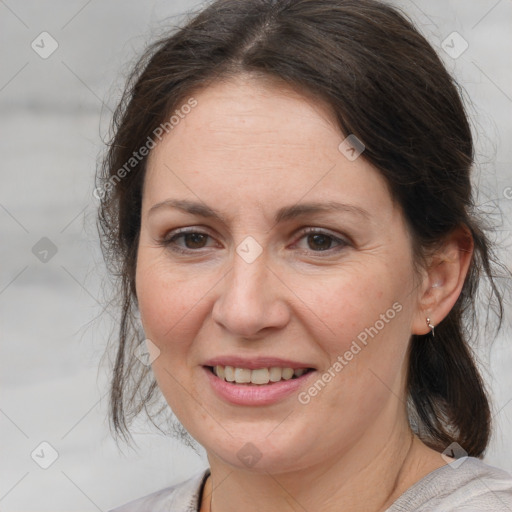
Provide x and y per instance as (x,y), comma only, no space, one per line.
(283,214)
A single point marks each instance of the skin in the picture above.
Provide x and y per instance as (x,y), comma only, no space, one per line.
(249,148)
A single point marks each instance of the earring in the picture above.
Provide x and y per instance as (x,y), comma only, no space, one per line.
(431,326)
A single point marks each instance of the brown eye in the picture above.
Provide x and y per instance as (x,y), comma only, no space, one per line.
(195,240)
(316,240)
(319,242)
(188,242)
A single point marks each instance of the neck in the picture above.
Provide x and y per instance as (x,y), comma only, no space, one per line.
(362,479)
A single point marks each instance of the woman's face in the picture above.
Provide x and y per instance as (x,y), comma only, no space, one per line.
(283,251)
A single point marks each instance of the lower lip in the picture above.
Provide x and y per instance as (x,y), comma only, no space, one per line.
(255,394)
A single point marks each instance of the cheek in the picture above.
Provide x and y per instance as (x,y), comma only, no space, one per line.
(354,300)
(170,302)
(361,320)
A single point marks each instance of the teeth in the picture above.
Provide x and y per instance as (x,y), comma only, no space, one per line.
(259,376)
(229,373)
(287,373)
(275,374)
(219,371)
(242,375)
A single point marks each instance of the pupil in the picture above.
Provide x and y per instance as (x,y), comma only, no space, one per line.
(195,240)
(319,242)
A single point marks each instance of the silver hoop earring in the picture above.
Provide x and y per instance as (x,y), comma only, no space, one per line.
(431,326)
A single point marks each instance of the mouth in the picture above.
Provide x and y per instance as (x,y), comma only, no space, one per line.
(257,376)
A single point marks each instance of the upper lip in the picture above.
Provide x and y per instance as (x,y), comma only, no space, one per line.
(254,363)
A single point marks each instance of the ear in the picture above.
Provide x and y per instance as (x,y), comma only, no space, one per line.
(443,280)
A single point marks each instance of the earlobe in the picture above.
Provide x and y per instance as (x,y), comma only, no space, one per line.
(443,281)
(431,326)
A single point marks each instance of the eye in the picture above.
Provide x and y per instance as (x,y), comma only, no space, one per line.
(317,240)
(187,241)
(194,240)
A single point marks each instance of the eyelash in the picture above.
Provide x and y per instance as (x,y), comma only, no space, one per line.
(170,241)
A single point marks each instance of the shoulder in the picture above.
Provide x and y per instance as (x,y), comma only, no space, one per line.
(181,497)
(465,485)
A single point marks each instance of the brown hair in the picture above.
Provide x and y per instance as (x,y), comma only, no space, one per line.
(385,84)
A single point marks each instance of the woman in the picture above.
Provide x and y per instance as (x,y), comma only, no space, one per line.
(287,200)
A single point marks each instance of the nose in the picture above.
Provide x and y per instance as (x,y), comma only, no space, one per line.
(251,301)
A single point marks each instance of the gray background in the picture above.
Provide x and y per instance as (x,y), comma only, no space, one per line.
(53,114)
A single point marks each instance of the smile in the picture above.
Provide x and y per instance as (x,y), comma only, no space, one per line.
(259,376)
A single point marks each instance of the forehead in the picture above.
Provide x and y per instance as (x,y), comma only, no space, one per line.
(252,113)
(258,141)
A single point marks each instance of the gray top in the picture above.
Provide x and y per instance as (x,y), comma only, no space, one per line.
(466,485)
